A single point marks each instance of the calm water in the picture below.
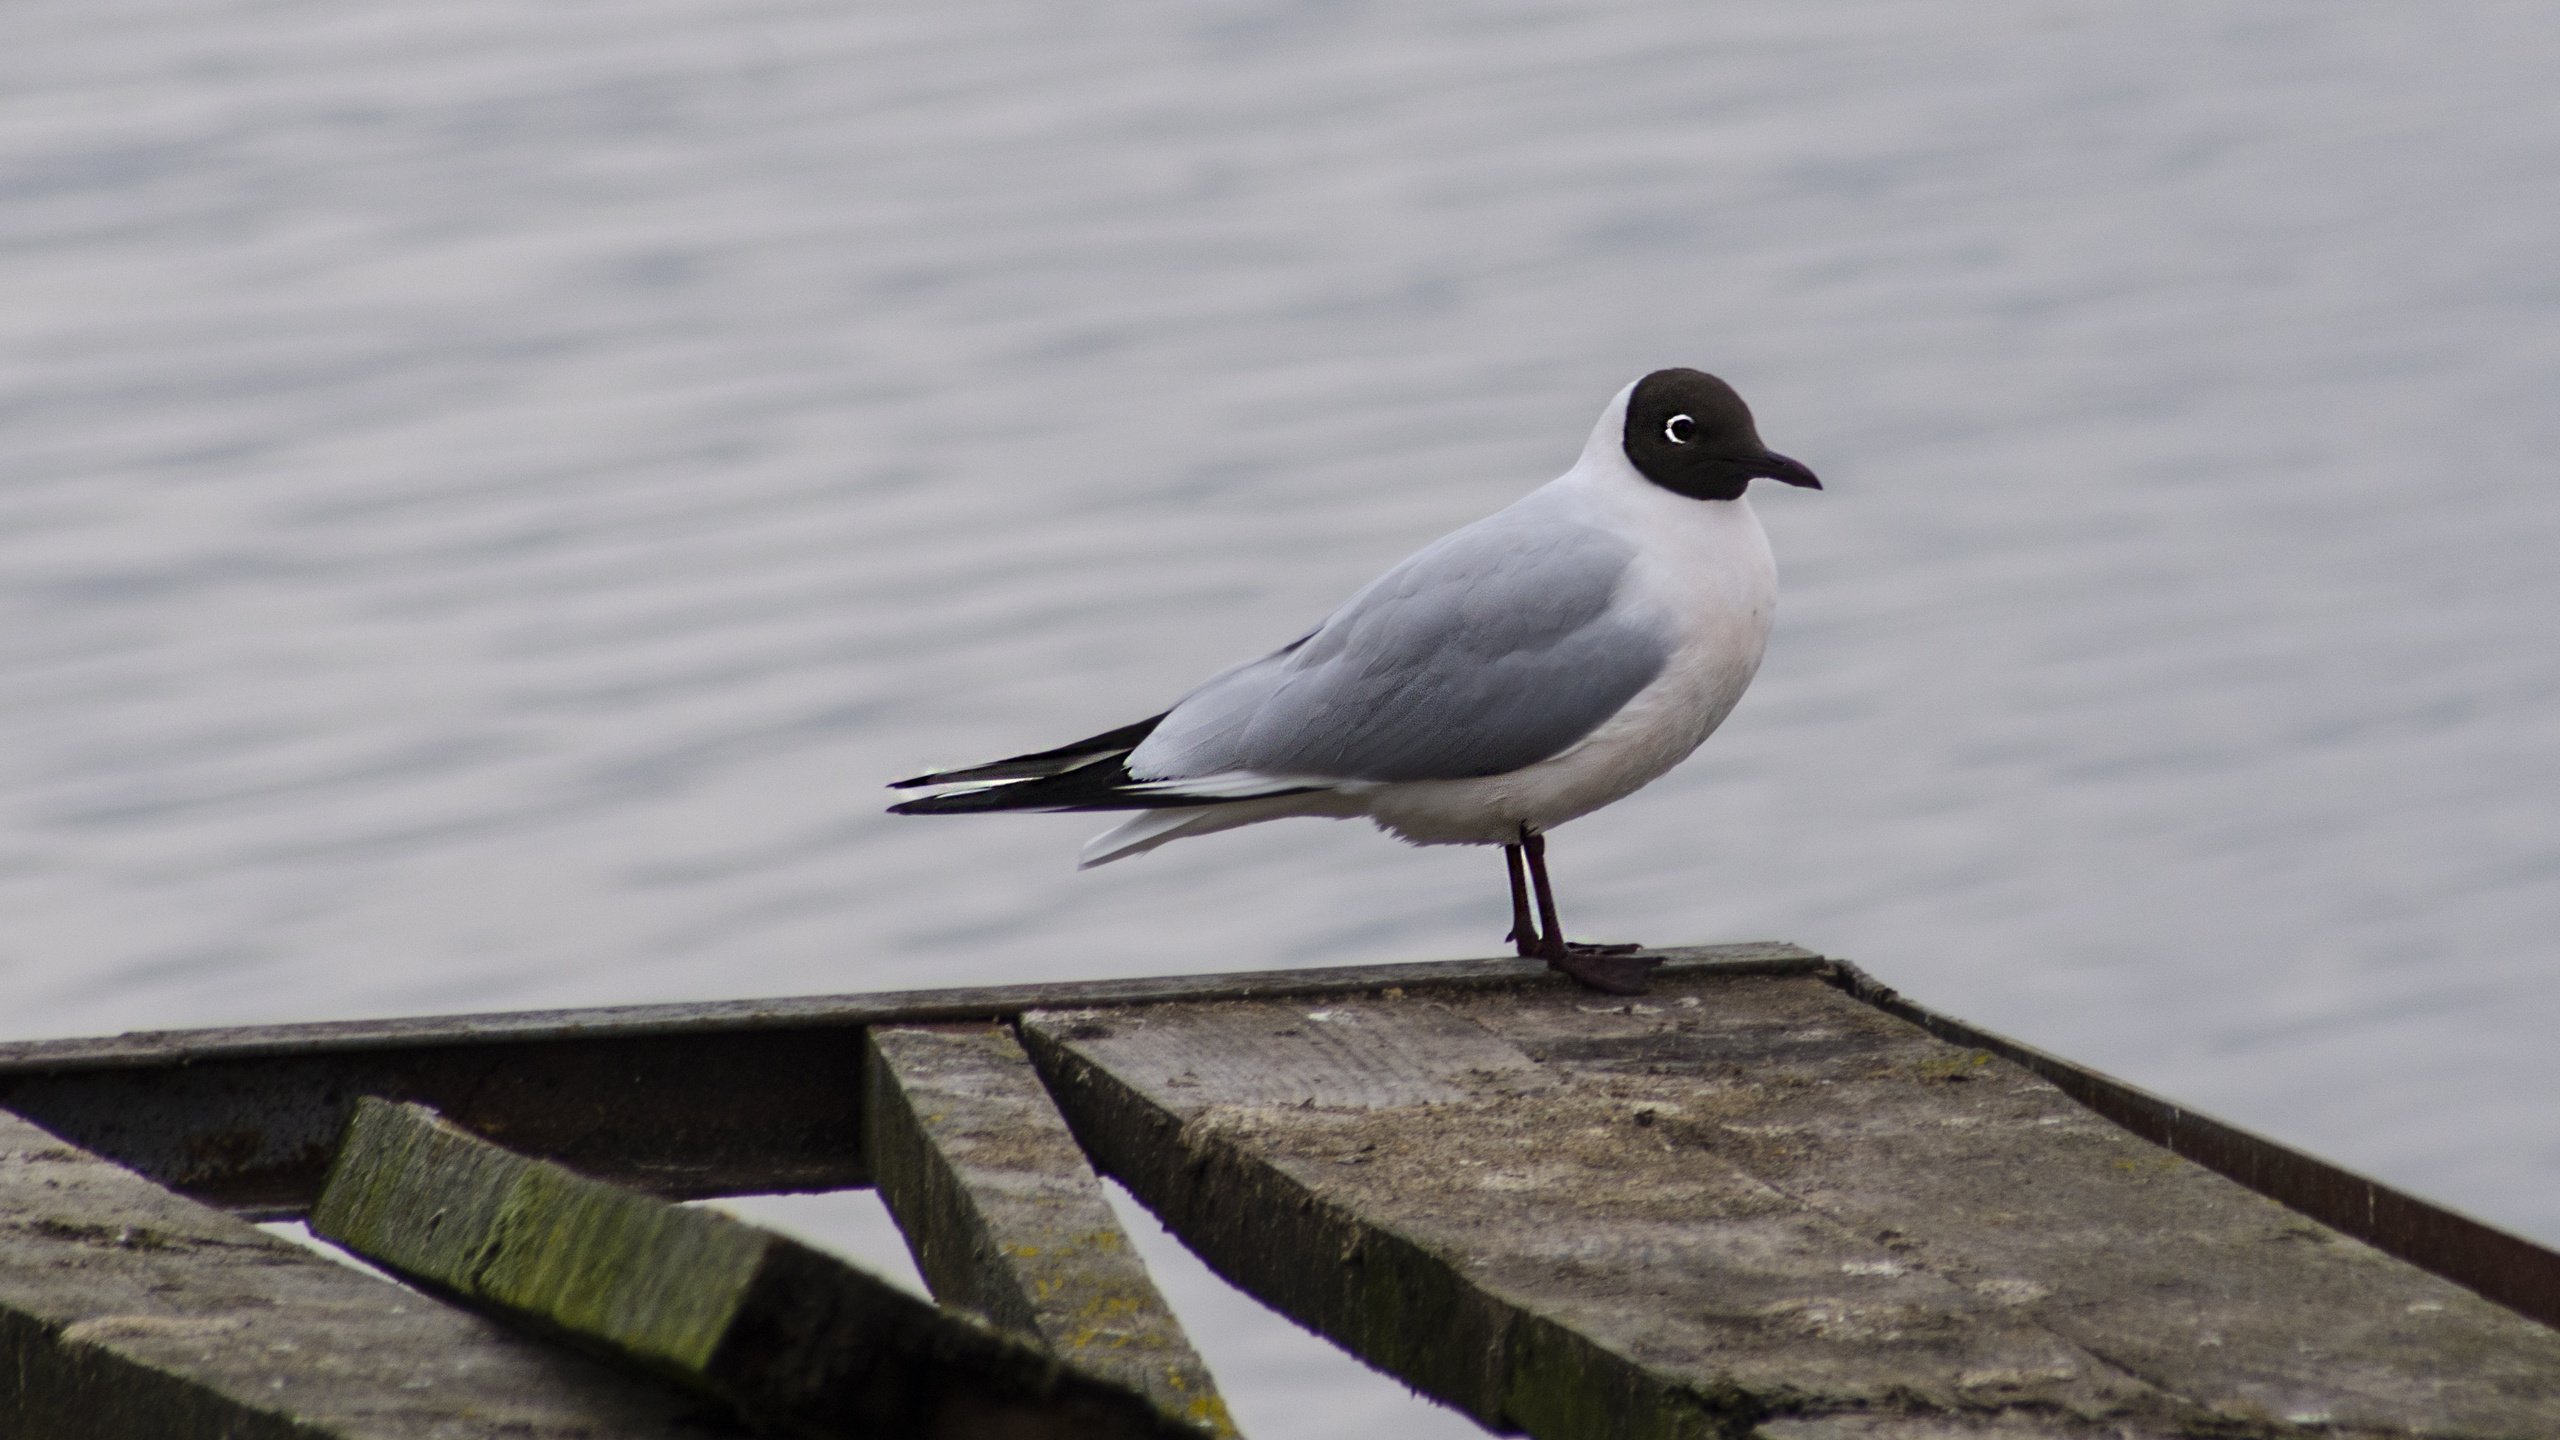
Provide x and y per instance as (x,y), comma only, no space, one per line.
(491,491)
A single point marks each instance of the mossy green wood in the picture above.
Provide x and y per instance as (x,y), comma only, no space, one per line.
(131,1313)
(1007,1219)
(659,1282)
(797,1340)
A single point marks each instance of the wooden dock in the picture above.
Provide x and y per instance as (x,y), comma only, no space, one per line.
(1772,1199)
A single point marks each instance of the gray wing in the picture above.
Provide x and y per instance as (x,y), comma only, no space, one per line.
(1496,648)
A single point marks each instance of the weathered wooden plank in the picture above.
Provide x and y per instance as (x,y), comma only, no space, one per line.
(1331,1056)
(1929,1427)
(2506,1268)
(1007,1219)
(130,1313)
(152,1048)
(687,1100)
(679,1100)
(795,1339)
(1755,1199)
(1983,1172)
(677,1116)
(1477,1225)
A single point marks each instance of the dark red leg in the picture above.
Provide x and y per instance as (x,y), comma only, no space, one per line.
(1524,931)
(1533,848)
(1613,968)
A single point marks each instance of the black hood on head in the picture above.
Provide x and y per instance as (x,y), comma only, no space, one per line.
(1689,433)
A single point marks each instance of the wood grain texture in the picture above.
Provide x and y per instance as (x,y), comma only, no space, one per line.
(797,1341)
(1752,1205)
(1980,1171)
(129,1313)
(1005,1217)
(720,1098)
(151,1049)
(2497,1264)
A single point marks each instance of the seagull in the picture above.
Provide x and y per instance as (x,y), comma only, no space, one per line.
(1515,674)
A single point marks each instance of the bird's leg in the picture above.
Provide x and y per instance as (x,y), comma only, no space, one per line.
(1536,847)
(1533,848)
(1524,931)
(1613,968)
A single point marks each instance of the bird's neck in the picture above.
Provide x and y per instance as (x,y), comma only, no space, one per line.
(1605,479)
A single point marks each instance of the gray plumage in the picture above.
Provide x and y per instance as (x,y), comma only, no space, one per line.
(1526,670)
(1491,650)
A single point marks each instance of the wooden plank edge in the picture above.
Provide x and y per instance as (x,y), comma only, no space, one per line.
(128,1312)
(1006,1217)
(68,1384)
(1393,1301)
(168,1048)
(797,1340)
(722,1108)
(2495,1264)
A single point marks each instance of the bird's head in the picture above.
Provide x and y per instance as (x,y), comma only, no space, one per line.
(1690,434)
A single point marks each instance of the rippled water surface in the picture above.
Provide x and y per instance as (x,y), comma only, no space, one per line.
(492,490)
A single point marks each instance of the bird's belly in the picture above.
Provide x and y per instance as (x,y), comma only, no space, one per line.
(1653,732)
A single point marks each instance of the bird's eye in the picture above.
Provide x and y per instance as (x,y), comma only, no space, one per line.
(1678,429)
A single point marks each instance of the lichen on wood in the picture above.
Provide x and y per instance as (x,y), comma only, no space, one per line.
(131,1313)
(1005,1217)
(796,1340)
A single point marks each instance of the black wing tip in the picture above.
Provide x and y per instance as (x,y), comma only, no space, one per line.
(1077,791)
(1041,764)
(944,804)
(1021,795)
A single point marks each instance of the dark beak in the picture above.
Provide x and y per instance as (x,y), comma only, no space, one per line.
(1779,467)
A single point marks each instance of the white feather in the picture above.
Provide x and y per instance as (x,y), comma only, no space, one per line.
(1148,829)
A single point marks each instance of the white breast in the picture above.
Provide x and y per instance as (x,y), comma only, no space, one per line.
(1704,574)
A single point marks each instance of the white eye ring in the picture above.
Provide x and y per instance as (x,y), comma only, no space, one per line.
(1678,429)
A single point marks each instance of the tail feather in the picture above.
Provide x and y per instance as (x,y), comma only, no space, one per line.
(1091,774)
(1141,833)
(1137,835)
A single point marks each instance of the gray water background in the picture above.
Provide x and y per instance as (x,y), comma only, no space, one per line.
(488,492)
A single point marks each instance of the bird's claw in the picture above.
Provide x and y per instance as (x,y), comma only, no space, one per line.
(1609,974)
(1611,969)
